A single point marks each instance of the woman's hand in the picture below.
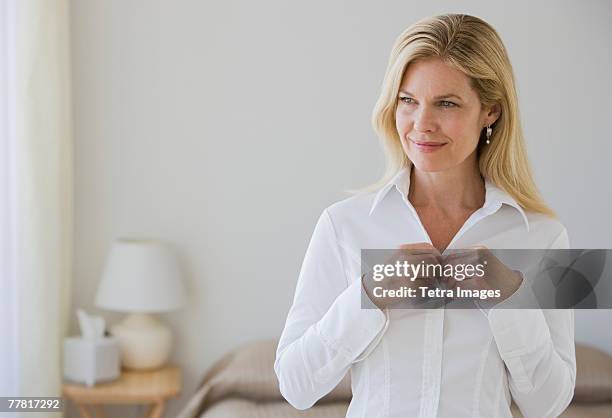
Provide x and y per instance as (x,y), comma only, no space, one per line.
(413,254)
(497,276)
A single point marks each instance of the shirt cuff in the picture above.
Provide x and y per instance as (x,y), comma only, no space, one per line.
(351,329)
(517,323)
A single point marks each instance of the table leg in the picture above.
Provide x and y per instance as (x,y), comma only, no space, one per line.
(83,410)
(157,410)
(99,411)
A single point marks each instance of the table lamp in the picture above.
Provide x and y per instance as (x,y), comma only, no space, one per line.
(141,277)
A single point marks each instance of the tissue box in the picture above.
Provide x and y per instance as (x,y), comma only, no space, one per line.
(91,360)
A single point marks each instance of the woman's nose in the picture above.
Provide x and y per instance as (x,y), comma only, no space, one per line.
(424,120)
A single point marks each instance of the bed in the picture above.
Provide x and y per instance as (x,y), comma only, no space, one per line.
(242,384)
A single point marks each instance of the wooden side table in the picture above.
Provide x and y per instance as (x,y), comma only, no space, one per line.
(151,387)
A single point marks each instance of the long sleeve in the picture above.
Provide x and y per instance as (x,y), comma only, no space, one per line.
(326,329)
(537,347)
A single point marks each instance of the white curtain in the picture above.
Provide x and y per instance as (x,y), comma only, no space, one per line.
(36,192)
(9,354)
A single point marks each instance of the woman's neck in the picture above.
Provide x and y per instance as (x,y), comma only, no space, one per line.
(458,188)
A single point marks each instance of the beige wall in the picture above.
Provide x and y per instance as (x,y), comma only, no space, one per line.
(226,127)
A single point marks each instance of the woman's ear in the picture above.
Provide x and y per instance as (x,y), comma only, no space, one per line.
(493,114)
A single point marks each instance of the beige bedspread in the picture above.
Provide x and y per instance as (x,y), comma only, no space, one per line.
(247,375)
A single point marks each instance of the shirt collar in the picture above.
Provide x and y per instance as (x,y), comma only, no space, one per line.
(494,195)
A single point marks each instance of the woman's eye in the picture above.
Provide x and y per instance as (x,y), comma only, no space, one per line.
(408,100)
(446,103)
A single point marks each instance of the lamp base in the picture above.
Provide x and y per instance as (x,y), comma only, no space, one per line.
(144,342)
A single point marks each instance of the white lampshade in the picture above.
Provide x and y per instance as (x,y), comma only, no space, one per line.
(141,276)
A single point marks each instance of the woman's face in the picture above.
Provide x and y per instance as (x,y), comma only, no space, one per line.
(439,116)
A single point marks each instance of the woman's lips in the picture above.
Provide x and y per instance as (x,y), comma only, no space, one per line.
(428,146)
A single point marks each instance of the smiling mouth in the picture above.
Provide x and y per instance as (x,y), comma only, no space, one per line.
(428,145)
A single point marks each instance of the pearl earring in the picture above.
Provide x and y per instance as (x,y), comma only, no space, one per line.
(489,132)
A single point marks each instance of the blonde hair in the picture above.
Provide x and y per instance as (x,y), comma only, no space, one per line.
(473,47)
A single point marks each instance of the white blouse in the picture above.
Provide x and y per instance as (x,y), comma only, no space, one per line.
(422,363)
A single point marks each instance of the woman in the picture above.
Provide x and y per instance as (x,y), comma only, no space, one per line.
(457,177)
